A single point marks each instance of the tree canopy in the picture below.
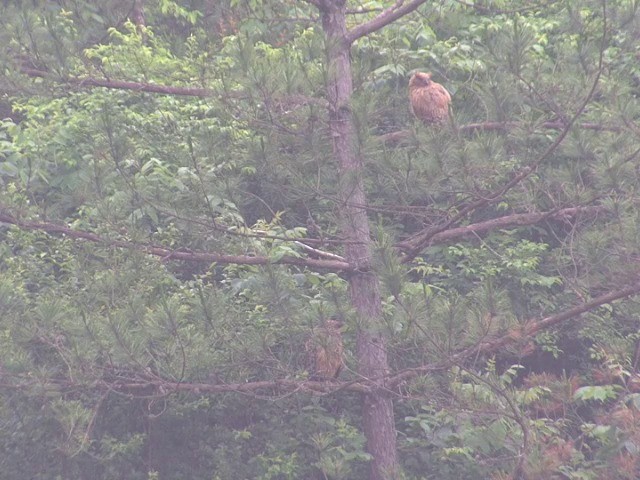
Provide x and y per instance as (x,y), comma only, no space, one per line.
(200,196)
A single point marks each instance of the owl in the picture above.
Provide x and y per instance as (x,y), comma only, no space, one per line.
(325,351)
(429,100)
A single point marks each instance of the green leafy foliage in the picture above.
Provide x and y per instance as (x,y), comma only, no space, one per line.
(121,359)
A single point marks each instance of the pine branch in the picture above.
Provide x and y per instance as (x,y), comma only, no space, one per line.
(516,335)
(389,138)
(389,15)
(392,138)
(169,254)
(426,237)
(498,11)
(527,170)
(156,386)
(551,125)
(123,85)
(295,99)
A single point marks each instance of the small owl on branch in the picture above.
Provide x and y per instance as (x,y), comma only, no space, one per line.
(429,100)
(325,351)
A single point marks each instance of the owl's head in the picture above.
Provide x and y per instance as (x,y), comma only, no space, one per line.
(334,324)
(420,79)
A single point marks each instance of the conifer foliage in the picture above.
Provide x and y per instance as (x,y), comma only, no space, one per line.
(197,195)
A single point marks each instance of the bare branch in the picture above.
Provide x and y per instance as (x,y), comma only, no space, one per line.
(528,330)
(88,82)
(421,239)
(389,15)
(320,4)
(497,11)
(361,11)
(155,386)
(320,253)
(392,138)
(169,254)
(123,85)
(551,125)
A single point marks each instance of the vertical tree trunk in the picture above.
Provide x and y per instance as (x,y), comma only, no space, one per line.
(378,421)
(137,14)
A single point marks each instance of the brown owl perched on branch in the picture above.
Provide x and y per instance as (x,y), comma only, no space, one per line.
(429,100)
(325,351)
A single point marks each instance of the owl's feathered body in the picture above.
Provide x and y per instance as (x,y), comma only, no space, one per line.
(325,351)
(429,100)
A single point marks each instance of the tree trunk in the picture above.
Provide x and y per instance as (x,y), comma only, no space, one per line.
(137,14)
(378,421)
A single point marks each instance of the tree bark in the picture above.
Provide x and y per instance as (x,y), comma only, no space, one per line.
(378,420)
(137,15)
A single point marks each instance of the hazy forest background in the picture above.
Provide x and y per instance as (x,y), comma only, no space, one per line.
(190,189)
